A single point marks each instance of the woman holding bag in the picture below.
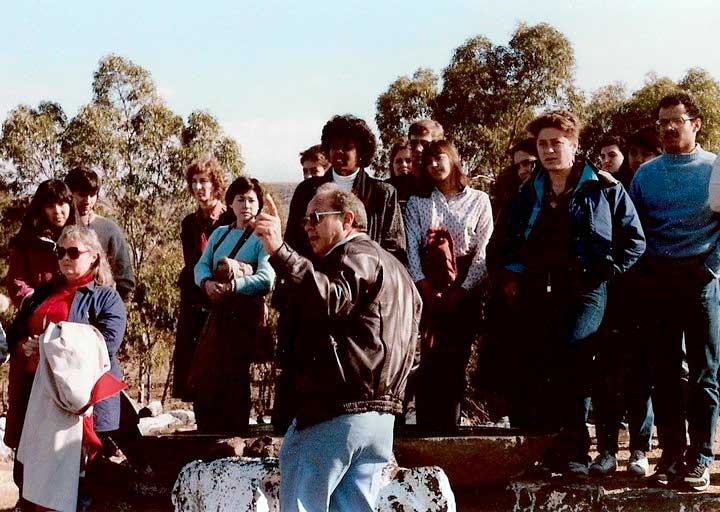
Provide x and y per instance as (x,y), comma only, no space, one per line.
(448,227)
(235,274)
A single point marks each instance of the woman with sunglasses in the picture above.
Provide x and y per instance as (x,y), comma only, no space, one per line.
(448,228)
(82,292)
(235,274)
(32,257)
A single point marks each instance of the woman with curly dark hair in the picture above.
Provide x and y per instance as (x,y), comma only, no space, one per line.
(350,144)
(32,250)
(206,181)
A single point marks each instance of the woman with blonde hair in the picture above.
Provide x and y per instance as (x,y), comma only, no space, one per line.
(83,293)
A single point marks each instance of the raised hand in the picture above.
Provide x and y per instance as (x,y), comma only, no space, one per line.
(267,226)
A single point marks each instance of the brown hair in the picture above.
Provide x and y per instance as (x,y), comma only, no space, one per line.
(435,148)
(211,167)
(395,149)
(315,153)
(427,127)
(562,120)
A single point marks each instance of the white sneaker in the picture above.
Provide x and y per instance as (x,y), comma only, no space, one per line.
(638,464)
(604,464)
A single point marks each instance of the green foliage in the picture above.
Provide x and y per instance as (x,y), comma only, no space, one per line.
(203,136)
(610,110)
(489,92)
(406,100)
(141,149)
(30,140)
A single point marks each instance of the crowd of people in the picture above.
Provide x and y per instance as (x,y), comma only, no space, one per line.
(591,283)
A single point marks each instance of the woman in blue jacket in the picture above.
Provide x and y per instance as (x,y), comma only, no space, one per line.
(568,231)
(83,293)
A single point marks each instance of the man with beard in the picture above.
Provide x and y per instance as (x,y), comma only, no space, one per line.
(679,291)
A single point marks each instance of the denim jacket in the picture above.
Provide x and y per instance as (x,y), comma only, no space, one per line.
(100,306)
(607,236)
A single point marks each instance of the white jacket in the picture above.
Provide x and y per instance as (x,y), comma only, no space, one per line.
(72,358)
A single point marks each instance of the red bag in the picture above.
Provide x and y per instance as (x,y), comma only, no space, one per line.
(438,259)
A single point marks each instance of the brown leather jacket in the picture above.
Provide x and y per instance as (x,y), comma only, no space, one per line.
(358,325)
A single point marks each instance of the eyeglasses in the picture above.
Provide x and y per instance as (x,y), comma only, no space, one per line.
(315,217)
(675,122)
(72,252)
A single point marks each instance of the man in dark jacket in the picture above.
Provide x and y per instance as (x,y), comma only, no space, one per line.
(358,324)
(569,230)
(350,144)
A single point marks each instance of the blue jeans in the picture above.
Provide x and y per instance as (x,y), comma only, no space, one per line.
(623,380)
(553,384)
(335,465)
(676,302)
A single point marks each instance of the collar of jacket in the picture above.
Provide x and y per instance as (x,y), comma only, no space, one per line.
(359,188)
(589,175)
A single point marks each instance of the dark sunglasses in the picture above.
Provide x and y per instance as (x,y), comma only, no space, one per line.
(315,217)
(72,252)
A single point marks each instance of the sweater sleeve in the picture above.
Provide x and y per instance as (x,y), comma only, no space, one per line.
(714,187)
(630,239)
(413,231)
(483,231)
(18,280)
(261,281)
(119,257)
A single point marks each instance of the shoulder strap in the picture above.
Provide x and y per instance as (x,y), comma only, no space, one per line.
(222,239)
(240,242)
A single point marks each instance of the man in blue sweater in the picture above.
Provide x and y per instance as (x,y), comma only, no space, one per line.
(679,290)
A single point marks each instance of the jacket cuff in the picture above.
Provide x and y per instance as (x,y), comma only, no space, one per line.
(280,259)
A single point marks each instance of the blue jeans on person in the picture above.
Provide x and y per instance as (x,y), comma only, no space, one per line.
(623,382)
(676,302)
(556,344)
(335,465)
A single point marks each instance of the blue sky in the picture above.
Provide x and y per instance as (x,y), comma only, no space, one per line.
(273,72)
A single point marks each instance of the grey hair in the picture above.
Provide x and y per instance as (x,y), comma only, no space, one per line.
(101,272)
(338,199)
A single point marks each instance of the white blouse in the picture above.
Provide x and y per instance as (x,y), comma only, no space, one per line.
(467,216)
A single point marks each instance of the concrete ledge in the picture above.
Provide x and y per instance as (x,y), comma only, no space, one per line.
(612,495)
(252,485)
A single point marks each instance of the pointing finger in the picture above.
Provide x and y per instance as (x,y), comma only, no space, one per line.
(270,207)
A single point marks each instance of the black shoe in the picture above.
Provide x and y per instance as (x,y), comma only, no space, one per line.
(698,477)
(668,471)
